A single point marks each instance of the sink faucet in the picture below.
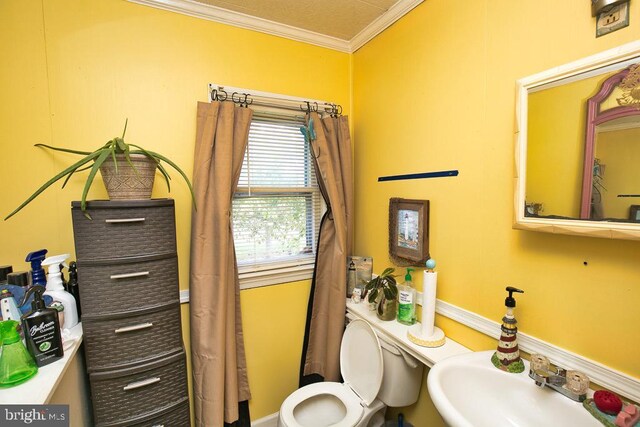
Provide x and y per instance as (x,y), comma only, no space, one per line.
(573,384)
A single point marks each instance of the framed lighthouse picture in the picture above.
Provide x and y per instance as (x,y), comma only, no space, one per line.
(408,231)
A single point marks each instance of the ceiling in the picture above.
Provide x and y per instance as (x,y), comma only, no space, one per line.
(342,19)
(344,25)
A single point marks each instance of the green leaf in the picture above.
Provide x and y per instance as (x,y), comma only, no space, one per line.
(94,170)
(165,175)
(60,175)
(71,174)
(388,293)
(126,121)
(372,295)
(177,168)
(387,271)
(65,150)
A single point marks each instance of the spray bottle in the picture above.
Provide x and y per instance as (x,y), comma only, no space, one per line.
(55,289)
(42,329)
(37,272)
(16,364)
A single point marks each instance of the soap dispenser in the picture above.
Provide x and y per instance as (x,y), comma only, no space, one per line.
(42,329)
(37,272)
(16,364)
(55,289)
(507,356)
(407,300)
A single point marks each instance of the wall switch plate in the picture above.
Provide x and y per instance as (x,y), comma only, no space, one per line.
(612,19)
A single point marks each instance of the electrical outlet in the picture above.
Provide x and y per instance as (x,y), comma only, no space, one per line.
(612,19)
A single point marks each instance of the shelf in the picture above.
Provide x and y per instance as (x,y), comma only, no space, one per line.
(397,333)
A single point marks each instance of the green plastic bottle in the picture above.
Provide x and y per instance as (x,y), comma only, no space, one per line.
(407,300)
(16,364)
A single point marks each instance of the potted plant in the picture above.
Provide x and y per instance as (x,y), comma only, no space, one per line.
(118,162)
(383,292)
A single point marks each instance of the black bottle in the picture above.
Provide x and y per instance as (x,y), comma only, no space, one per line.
(72,285)
(42,329)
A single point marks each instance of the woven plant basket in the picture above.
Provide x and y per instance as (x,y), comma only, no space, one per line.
(126,184)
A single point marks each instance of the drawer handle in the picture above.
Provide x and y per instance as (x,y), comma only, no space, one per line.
(134,328)
(129,275)
(142,383)
(123,220)
(158,425)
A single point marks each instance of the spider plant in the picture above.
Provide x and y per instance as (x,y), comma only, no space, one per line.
(92,161)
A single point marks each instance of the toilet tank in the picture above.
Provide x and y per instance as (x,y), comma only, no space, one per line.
(402,376)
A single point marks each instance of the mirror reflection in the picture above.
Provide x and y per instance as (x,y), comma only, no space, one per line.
(583,146)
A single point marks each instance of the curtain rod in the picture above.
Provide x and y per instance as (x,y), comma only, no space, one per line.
(245,98)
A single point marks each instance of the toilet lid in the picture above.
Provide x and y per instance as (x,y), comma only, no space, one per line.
(361,360)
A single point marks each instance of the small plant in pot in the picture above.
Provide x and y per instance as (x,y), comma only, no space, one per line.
(127,170)
(382,290)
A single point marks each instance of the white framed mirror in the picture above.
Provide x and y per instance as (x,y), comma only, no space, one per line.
(577,148)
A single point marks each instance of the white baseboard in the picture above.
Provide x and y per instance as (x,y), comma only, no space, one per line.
(604,376)
(268,421)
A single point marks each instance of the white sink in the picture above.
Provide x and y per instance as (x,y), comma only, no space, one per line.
(469,391)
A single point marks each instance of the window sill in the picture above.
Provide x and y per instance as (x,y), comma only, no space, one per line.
(251,278)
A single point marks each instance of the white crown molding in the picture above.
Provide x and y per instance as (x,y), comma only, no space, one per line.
(237,19)
(604,376)
(395,12)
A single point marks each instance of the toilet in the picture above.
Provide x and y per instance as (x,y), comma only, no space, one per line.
(376,374)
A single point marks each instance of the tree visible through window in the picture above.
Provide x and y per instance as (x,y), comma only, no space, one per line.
(277,206)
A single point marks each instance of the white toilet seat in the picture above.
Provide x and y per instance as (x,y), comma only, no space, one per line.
(343,392)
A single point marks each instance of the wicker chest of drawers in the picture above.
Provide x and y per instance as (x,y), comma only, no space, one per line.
(128,280)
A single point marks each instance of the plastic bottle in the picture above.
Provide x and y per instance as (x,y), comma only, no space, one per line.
(42,330)
(73,288)
(351,279)
(4,271)
(37,272)
(16,364)
(407,300)
(55,290)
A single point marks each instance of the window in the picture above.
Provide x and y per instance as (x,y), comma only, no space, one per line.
(277,206)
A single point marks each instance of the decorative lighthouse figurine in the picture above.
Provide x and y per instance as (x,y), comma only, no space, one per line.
(507,356)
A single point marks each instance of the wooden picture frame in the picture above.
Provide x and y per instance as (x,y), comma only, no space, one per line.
(408,231)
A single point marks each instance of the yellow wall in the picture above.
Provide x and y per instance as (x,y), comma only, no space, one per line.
(555,145)
(436,91)
(619,151)
(74,70)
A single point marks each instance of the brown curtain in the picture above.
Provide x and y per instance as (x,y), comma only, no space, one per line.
(217,343)
(327,302)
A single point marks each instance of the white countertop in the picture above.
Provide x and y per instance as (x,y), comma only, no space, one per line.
(39,389)
(397,332)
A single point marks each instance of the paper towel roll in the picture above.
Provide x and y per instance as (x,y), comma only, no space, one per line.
(430,282)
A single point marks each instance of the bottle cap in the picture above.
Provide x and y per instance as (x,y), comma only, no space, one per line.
(407,277)
(37,272)
(510,301)
(38,302)
(19,278)
(4,271)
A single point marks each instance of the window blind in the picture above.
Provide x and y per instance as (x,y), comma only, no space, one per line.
(277,206)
